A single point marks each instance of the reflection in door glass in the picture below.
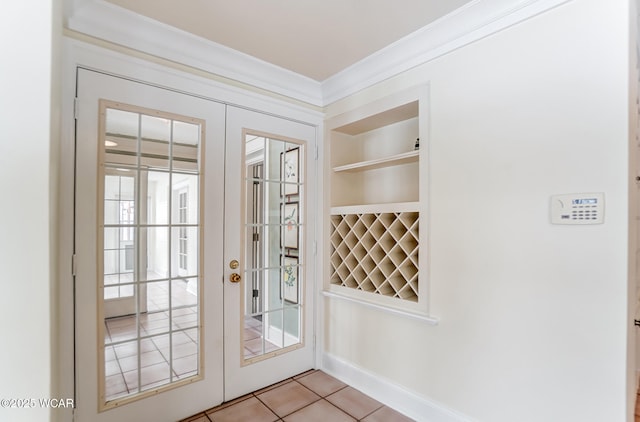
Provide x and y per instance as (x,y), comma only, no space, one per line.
(119,212)
(150,242)
(273,233)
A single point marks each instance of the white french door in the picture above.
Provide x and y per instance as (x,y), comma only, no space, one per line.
(148,209)
(268,272)
(171,189)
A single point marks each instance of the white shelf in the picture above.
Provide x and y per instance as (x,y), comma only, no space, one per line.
(404,158)
(376,208)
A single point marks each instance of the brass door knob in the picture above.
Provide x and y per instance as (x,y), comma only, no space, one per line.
(235,278)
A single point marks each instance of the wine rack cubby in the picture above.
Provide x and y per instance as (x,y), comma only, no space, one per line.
(376,253)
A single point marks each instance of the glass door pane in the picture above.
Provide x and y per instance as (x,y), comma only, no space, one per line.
(151,242)
(273,230)
(119,240)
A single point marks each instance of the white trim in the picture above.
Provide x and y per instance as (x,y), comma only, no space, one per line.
(82,54)
(471,22)
(115,24)
(431,320)
(389,393)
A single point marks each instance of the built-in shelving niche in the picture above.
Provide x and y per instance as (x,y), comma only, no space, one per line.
(377,174)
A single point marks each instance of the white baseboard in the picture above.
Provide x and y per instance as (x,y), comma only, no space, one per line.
(395,396)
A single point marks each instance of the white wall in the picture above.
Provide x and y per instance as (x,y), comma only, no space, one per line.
(29,38)
(533,316)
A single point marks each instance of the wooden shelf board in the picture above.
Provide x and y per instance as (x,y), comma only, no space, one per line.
(404,158)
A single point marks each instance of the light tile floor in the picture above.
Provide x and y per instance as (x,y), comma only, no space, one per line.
(312,396)
(157,350)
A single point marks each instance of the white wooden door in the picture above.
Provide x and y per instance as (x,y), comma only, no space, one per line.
(268,250)
(149,210)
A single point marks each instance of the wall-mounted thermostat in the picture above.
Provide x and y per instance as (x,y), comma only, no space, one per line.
(577,208)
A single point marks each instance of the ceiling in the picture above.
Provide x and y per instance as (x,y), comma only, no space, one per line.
(314,38)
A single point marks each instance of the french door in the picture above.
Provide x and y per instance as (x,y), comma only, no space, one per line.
(268,273)
(191,246)
(148,305)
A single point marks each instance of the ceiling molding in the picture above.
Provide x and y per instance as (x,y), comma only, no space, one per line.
(471,22)
(112,23)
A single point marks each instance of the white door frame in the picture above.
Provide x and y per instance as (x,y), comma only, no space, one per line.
(79,54)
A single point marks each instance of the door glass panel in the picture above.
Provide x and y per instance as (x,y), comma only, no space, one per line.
(150,259)
(185,147)
(157,241)
(155,134)
(273,233)
(119,234)
(158,190)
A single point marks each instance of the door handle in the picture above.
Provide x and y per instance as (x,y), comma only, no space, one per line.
(235,278)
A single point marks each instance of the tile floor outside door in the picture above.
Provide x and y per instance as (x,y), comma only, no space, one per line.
(312,396)
(156,351)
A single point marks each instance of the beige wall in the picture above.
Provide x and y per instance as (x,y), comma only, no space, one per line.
(533,316)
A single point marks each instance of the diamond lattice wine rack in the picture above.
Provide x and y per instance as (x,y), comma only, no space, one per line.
(376,252)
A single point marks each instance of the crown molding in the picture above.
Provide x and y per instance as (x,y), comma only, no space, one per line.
(471,22)
(117,25)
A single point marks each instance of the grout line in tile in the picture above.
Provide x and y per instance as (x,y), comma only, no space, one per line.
(229,403)
(196,417)
(272,386)
(121,373)
(368,414)
(303,407)
(339,389)
(304,374)
(255,394)
(297,410)
(344,410)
